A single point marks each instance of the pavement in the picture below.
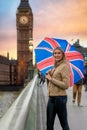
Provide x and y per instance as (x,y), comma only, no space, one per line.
(77,116)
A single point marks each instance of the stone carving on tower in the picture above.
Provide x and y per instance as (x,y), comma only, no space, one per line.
(24,24)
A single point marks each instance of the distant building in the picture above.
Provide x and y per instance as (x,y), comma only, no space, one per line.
(8,71)
(81,49)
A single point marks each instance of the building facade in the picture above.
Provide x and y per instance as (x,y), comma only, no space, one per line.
(8,71)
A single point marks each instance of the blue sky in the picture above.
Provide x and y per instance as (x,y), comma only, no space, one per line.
(64,19)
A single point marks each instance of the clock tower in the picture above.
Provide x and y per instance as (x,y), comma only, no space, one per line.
(24,24)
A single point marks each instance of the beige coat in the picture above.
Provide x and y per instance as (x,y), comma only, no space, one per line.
(60,79)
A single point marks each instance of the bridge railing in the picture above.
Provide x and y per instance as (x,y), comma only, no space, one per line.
(22,115)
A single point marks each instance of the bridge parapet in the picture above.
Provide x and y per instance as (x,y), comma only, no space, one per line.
(22,115)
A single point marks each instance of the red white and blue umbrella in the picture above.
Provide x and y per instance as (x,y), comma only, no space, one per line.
(44,57)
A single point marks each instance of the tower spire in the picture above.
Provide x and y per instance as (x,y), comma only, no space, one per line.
(24,4)
(24,0)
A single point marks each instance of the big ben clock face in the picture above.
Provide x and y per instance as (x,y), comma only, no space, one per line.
(23,20)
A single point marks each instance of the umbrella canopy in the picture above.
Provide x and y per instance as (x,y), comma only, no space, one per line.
(44,57)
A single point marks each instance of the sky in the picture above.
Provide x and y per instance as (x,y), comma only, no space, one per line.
(63,19)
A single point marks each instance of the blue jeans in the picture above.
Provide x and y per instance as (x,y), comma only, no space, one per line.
(57,105)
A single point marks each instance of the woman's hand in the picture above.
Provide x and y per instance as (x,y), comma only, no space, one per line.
(48,77)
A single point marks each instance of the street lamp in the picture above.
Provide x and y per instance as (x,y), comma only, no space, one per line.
(30,46)
(31,68)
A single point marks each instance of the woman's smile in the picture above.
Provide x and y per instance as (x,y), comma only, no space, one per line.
(58,55)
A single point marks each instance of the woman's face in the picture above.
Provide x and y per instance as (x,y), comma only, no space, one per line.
(58,55)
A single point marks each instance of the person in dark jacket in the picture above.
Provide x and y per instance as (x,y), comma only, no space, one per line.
(85,76)
(42,79)
(77,92)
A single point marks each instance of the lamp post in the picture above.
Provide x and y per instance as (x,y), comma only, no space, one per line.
(31,68)
(30,46)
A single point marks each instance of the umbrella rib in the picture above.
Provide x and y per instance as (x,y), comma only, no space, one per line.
(45,63)
(73,55)
(71,75)
(68,47)
(44,48)
(78,70)
(46,67)
(52,42)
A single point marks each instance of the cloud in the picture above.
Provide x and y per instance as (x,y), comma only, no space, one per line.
(60,18)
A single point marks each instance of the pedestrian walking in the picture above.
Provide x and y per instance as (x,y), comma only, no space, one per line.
(42,79)
(58,81)
(77,92)
(85,76)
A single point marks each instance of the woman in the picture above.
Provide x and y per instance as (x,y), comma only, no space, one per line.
(58,82)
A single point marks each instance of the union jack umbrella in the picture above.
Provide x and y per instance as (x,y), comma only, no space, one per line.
(44,57)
